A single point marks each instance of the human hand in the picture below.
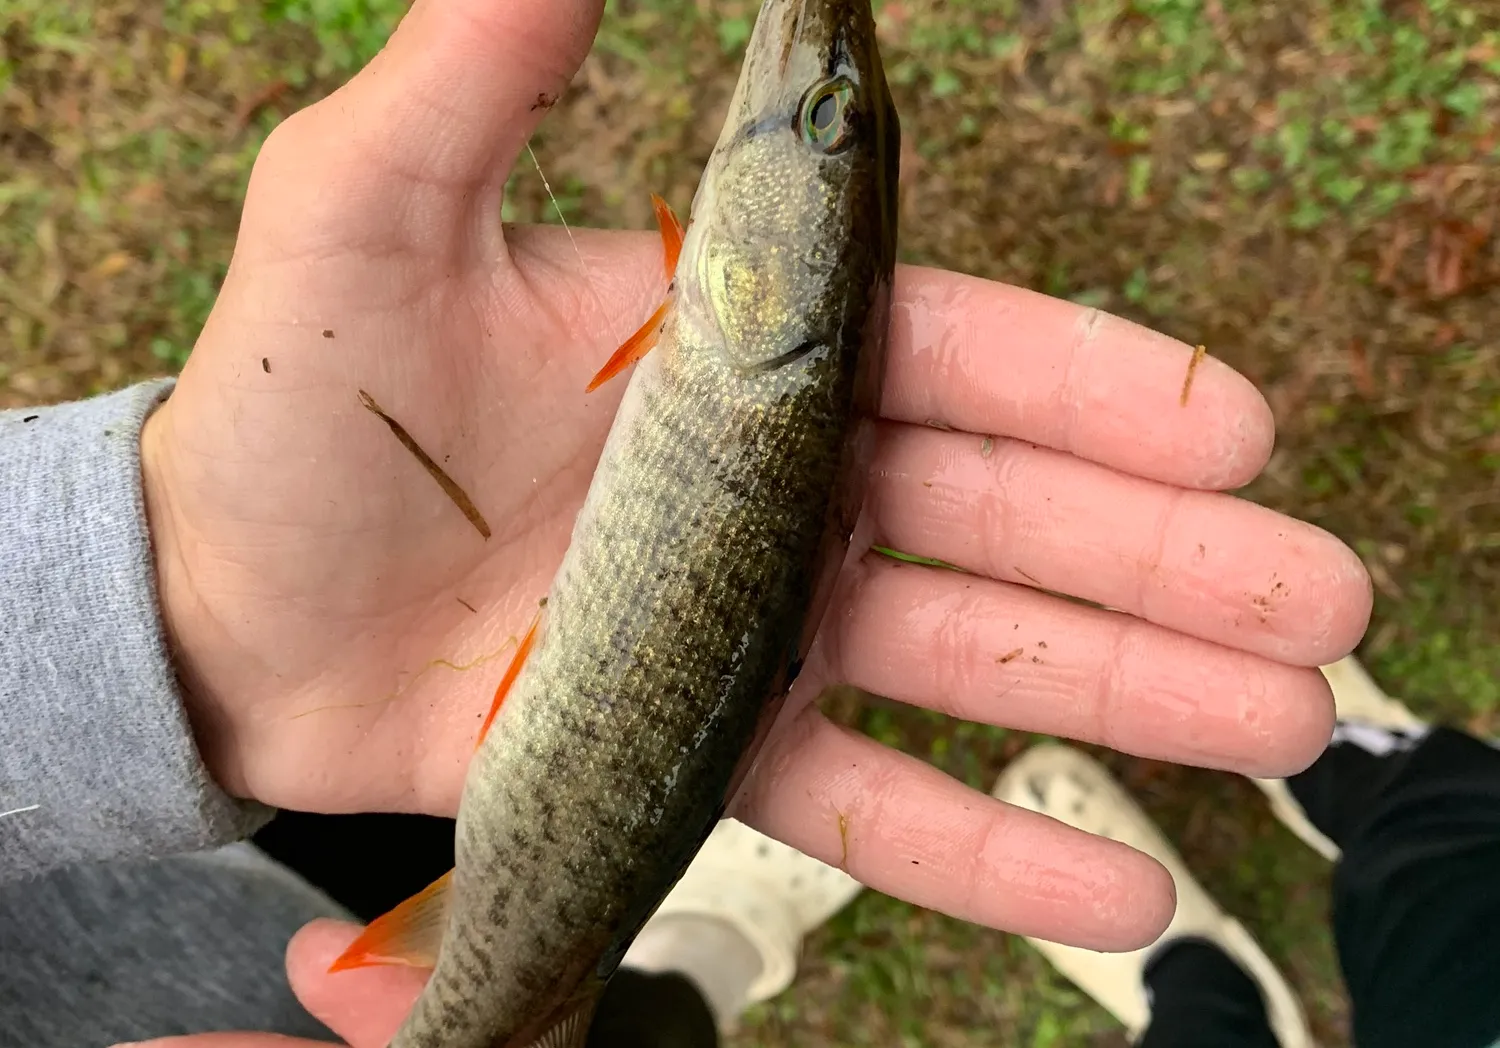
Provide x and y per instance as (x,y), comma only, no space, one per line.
(311,571)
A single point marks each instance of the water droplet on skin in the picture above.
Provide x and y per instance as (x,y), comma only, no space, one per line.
(938,326)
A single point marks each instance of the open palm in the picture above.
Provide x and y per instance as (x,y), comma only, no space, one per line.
(314,573)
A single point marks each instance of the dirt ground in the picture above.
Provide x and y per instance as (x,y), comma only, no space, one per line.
(1310,190)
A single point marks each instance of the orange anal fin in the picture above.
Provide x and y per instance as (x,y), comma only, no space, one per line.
(511,673)
(573,1030)
(567,1026)
(635,347)
(671,232)
(408,935)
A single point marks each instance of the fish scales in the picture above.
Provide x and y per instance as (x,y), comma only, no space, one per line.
(704,553)
(619,698)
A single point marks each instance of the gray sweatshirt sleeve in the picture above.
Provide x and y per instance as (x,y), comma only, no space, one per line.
(94,738)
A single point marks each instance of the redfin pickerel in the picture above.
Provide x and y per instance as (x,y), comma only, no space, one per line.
(700,563)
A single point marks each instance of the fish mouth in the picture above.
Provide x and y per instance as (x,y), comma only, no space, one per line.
(797,42)
(834,28)
(797,18)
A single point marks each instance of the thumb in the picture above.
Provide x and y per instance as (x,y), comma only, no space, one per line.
(429,130)
(462,84)
(228,1040)
(364,1007)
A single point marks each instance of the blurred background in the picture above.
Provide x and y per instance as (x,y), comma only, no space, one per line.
(1309,189)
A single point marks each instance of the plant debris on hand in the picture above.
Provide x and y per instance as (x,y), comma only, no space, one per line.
(450,488)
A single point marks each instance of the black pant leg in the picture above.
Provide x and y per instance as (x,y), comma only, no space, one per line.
(652,1011)
(1416,896)
(1201,998)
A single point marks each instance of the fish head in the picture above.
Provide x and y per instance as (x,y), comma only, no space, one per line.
(792,241)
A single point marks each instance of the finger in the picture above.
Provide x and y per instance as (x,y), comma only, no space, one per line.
(986,651)
(426,134)
(906,829)
(364,1006)
(993,359)
(227,1040)
(1204,563)
(463,83)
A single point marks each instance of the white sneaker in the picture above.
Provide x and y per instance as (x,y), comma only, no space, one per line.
(772,894)
(1367,717)
(1073,788)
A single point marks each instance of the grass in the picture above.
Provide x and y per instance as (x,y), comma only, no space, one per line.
(1309,190)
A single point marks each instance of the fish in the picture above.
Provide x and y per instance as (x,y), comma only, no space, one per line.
(700,564)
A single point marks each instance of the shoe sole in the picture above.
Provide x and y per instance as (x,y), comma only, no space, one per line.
(1115,980)
(1356,697)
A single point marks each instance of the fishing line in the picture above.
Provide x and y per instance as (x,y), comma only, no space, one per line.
(588,278)
(19,811)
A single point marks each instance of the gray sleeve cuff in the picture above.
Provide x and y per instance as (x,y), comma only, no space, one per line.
(93,731)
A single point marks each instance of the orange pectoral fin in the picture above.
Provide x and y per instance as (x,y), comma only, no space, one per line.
(511,673)
(636,347)
(671,232)
(642,342)
(409,935)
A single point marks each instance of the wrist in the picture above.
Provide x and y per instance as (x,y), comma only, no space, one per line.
(182,613)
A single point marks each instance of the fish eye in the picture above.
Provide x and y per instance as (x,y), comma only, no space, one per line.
(826,115)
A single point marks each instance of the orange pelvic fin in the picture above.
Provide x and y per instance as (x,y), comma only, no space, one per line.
(511,673)
(642,342)
(408,935)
